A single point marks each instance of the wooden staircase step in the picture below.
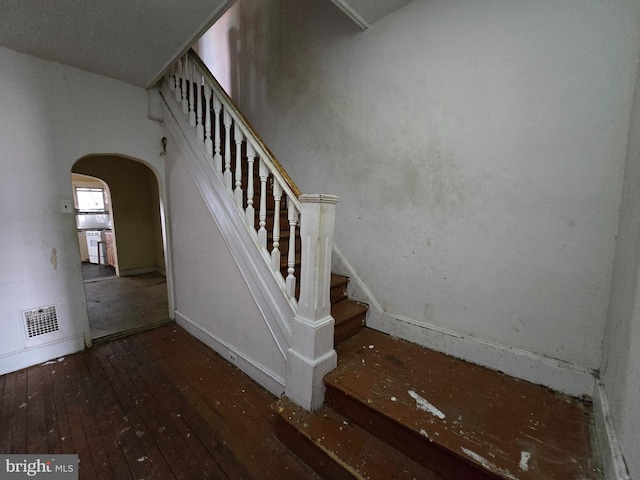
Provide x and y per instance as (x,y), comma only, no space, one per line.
(338,288)
(338,449)
(458,419)
(349,317)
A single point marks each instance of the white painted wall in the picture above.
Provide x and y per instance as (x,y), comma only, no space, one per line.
(621,357)
(51,115)
(477,149)
(212,300)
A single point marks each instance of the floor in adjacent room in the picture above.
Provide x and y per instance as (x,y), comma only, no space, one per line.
(122,305)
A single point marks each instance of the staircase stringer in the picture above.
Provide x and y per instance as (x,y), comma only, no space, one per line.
(276,308)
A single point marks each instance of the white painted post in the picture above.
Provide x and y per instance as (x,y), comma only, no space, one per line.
(250,211)
(183,89)
(227,149)
(263,173)
(199,84)
(192,98)
(237,192)
(311,355)
(290,282)
(275,252)
(217,157)
(208,143)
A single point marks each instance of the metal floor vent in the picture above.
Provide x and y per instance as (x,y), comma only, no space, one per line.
(41,321)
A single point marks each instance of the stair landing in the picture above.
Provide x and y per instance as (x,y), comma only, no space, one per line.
(458,419)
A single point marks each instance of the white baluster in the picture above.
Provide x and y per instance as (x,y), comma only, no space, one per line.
(199,124)
(185,99)
(192,97)
(217,157)
(275,253)
(238,137)
(208,144)
(177,94)
(291,259)
(250,211)
(171,79)
(262,231)
(227,149)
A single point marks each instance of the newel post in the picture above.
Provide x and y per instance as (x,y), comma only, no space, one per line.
(311,355)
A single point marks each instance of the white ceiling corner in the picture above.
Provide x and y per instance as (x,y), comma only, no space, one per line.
(132,41)
(366,12)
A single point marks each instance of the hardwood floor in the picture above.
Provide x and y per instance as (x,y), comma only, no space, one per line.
(155,405)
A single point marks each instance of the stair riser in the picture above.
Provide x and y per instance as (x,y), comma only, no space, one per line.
(309,452)
(338,293)
(345,329)
(444,463)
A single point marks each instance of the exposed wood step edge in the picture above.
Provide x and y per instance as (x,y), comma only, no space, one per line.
(339,284)
(458,419)
(338,449)
(349,317)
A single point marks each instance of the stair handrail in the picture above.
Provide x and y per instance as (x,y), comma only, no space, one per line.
(311,353)
(264,151)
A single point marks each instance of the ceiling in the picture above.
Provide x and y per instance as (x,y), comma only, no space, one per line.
(366,12)
(129,40)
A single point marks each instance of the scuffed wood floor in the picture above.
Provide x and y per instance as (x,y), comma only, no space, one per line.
(155,405)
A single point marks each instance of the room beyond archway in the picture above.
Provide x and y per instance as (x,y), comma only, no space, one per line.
(123,255)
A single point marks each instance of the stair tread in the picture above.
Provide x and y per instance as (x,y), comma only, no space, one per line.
(341,443)
(347,309)
(496,423)
(337,280)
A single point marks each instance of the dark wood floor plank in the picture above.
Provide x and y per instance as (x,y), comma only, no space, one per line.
(7,412)
(54,445)
(75,413)
(157,405)
(170,442)
(64,428)
(19,417)
(228,398)
(202,441)
(99,398)
(90,414)
(143,457)
(36,427)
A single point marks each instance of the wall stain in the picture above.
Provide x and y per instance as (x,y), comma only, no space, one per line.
(54,258)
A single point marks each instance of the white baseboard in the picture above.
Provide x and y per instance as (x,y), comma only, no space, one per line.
(572,379)
(13,361)
(613,462)
(265,377)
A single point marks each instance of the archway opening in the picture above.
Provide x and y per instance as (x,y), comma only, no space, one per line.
(119,216)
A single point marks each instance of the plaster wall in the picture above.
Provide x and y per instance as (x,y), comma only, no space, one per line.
(477,149)
(621,356)
(50,116)
(212,299)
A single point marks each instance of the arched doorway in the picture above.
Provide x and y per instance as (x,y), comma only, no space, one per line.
(135,296)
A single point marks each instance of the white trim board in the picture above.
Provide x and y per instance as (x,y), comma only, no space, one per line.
(253,263)
(613,464)
(265,377)
(13,361)
(558,375)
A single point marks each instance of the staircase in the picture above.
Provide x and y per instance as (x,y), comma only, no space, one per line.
(397,410)
(392,409)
